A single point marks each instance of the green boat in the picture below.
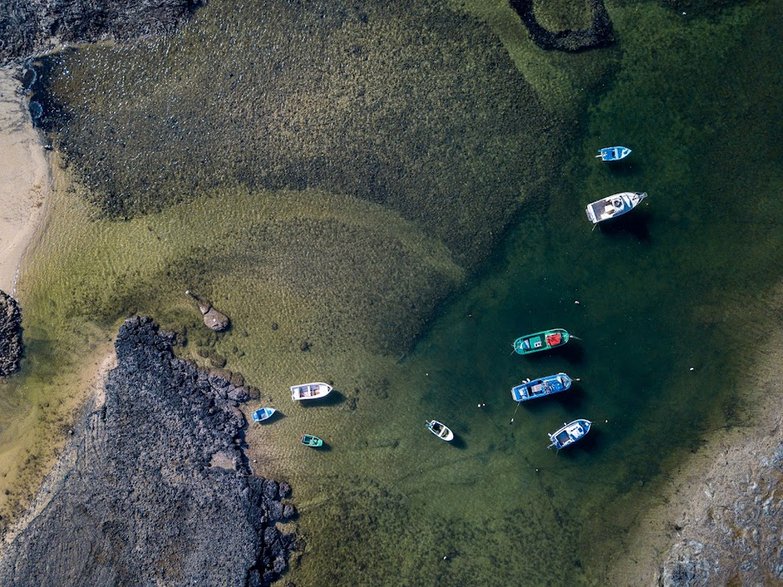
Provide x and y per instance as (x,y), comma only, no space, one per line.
(541,341)
(313,441)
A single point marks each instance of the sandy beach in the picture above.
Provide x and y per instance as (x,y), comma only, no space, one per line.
(24,180)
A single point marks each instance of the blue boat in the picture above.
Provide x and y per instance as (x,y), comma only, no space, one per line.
(569,433)
(541,387)
(262,414)
(613,153)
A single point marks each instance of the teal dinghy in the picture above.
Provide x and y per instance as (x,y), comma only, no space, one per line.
(312,441)
(541,341)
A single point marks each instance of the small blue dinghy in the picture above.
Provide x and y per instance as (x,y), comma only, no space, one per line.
(541,387)
(569,433)
(613,153)
(262,414)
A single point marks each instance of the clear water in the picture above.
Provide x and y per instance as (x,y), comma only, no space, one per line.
(672,300)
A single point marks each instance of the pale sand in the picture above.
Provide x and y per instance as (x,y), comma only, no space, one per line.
(24,180)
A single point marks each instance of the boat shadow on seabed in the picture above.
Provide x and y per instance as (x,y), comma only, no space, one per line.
(570,400)
(573,352)
(332,399)
(588,444)
(635,224)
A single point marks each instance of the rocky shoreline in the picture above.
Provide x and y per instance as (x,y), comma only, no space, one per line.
(598,34)
(154,486)
(735,533)
(720,515)
(11,346)
(32,26)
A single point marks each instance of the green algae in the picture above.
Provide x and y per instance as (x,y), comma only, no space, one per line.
(562,82)
(332,271)
(560,15)
(387,103)
(355,273)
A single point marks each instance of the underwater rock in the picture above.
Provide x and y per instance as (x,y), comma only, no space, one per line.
(732,536)
(213,319)
(687,566)
(149,484)
(599,34)
(35,26)
(11,346)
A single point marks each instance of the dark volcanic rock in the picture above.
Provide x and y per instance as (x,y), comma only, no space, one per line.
(153,489)
(599,34)
(10,334)
(32,26)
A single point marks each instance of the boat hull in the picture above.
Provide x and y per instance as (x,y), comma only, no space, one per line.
(549,385)
(613,206)
(613,153)
(541,341)
(570,433)
(440,430)
(262,414)
(312,441)
(308,391)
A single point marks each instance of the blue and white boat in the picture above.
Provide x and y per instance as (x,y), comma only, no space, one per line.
(569,433)
(613,153)
(613,206)
(540,387)
(262,414)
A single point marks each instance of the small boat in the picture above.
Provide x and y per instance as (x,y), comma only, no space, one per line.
(262,414)
(312,441)
(613,206)
(541,387)
(310,390)
(569,433)
(440,430)
(613,153)
(541,341)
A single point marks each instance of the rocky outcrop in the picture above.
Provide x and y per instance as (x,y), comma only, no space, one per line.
(213,319)
(734,535)
(10,335)
(32,26)
(598,34)
(155,488)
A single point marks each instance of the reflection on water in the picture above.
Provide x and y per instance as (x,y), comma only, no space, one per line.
(660,322)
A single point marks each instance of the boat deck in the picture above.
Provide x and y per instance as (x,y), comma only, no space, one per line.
(604,209)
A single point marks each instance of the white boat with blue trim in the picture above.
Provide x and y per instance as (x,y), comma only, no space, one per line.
(569,433)
(613,206)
